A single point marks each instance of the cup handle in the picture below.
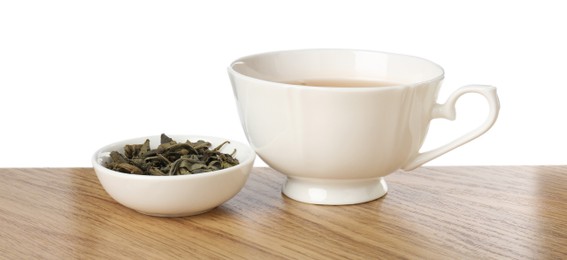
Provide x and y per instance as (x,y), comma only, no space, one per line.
(447,111)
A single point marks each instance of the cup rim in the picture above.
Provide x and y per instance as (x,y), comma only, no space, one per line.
(439,77)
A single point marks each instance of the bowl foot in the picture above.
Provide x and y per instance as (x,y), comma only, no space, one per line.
(334,192)
(165,215)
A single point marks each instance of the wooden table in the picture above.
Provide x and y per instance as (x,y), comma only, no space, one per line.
(434,212)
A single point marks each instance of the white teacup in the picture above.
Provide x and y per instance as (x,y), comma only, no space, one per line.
(335,144)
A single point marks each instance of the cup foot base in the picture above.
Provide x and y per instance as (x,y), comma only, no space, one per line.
(334,192)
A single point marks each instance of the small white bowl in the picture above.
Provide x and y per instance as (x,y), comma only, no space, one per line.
(179,195)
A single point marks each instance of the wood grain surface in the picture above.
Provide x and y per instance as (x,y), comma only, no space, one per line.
(517,212)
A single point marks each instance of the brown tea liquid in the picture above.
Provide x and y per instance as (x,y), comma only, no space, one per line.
(343,83)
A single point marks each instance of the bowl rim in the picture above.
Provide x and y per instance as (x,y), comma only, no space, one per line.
(249,159)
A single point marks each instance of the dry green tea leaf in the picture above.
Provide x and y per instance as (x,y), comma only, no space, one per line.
(171,158)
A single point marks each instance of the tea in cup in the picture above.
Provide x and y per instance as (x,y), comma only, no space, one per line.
(335,122)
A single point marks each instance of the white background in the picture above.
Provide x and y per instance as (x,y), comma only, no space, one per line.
(76,75)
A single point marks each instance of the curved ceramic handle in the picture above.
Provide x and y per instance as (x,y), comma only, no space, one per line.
(447,111)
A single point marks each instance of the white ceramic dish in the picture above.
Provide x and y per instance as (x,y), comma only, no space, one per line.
(174,196)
